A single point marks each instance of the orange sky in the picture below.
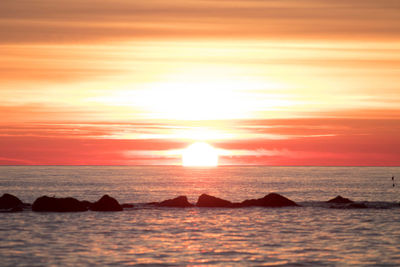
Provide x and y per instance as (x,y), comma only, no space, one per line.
(296,82)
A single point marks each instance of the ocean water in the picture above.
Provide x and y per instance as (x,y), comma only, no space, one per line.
(313,234)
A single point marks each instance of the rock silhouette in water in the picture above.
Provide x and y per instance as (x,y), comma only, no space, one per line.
(213,202)
(106,203)
(11,203)
(86,203)
(340,200)
(54,204)
(178,202)
(127,206)
(356,206)
(352,205)
(272,200)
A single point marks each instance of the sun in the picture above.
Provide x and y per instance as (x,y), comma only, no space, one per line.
(200,154)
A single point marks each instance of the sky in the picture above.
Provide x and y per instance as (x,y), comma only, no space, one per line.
(265,82)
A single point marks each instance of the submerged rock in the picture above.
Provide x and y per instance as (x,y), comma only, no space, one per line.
(11,202)
(213,202)
(106,203)
(348,206)
(178,202)
(67,204)
(127,206)
(357,206)
(14,209)
(270,200)
(340,200)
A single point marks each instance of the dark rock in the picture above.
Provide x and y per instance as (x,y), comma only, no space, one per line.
(270,200)
(68,204)
(106,203)
(357,206)
(348,206)
(340,200)
(86,203)
(127,206)
(213,202)
(178,202)
(8,201)
(15,209)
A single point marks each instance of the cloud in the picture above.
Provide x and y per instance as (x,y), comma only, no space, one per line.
(14,161)
(92,21)
(324,141)
(72,73)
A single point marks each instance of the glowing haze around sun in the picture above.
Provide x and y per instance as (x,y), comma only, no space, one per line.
(200,154)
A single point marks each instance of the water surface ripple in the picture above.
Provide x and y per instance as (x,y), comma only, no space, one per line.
(310,235)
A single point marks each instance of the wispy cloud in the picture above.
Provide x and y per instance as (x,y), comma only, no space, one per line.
(313,141)
(71,21)
(135,82)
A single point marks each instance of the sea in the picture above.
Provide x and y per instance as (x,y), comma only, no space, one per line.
(314,234)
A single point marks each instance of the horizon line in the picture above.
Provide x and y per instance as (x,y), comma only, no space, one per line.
(177,165)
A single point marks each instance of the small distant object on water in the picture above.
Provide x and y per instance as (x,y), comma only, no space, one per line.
(393,181)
